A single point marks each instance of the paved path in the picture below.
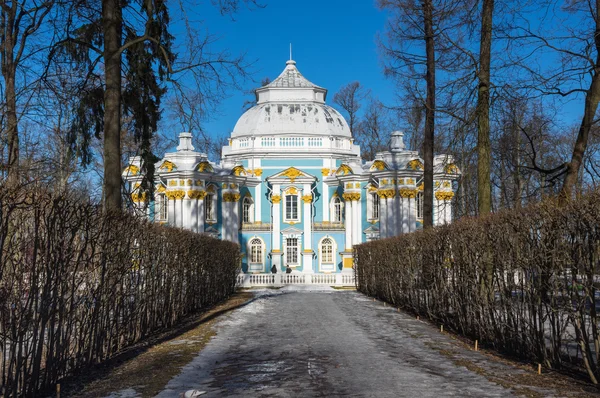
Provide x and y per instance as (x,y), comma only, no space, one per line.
(300,344)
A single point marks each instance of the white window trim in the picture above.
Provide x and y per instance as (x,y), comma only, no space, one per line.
(332,264)
(332,212)
(371,205)
(298,246)
(298,195)
(419,205)
(250,210)
(249,251)
(161,205)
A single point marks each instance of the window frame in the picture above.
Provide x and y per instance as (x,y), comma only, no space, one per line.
(335,202)
(327,242)
(295,250)
(294,200)
(254,242)
(161,208)
(419,205)
(247,204)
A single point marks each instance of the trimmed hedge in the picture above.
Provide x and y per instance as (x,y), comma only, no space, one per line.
(524,282)
(78,286)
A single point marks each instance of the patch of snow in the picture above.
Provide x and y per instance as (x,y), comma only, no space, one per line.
(126,393)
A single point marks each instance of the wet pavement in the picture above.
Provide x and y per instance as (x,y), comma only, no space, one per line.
(294,343)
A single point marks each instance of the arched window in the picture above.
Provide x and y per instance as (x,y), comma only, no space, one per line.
(247,210)
(256,251)
(420,205)
(336,209)
(327,250)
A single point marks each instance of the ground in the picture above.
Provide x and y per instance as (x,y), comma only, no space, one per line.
(293,342)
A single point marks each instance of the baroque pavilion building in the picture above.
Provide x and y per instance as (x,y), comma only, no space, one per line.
(291,187)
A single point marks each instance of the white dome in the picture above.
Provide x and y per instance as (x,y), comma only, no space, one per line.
(291,104)
(303,118)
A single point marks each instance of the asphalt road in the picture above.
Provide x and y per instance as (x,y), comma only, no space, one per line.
(314,344)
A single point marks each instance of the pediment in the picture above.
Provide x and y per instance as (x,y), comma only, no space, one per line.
(292,174)
(291,231)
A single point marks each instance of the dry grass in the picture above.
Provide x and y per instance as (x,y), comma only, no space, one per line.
(522,379)
(148,370)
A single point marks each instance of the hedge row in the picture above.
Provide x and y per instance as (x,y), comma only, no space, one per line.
(524,282)
(78,286)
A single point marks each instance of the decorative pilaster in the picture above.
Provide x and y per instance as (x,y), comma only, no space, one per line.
(356,219)
(444,199)
(276,237)
(171,209)
(176,198)
(349,218)
(307,253)
(410,195)
(386,209)
(197,210)
(231,213)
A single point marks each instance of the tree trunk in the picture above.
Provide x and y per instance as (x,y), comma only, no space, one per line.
(428,140)
(591,105)
(111,19)
(8,73)
(484,186)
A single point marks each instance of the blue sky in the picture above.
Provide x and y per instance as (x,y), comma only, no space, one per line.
(334,43)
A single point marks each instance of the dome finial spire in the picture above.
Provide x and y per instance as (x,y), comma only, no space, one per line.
(291,51)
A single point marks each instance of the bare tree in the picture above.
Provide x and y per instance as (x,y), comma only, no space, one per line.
(20,20)
(349,99)
(372,131)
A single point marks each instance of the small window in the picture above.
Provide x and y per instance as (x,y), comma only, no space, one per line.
(291,253)
(256,251)
(374,206)
(247,210)
(327,250)
(336,209)
(420,205)
(291,207)
(161,207)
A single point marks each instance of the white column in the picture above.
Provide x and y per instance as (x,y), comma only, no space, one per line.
(193,214)
(405,214)
(348,214)
(307,199)
(398,214)
(382,217)
(235,219)
(276,237)
(412,215)
(179,211)
(356,222)
(307,255)
(187,213)
(171,208)
(325,199)
(389,215)
(226,216)
(258,203)
(200,214)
